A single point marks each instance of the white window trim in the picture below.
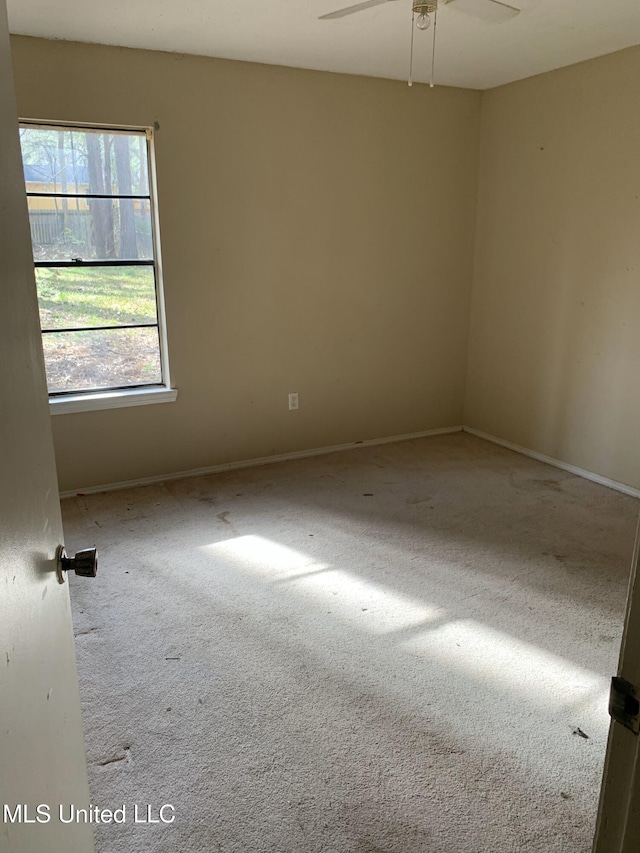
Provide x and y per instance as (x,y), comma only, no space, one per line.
(122,398)
(155,219)
(111,400)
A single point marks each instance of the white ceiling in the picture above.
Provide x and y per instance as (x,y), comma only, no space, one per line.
(547,34)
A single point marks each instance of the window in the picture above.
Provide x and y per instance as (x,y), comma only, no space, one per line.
(95,250)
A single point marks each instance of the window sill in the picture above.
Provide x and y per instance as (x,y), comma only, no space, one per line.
(111,400)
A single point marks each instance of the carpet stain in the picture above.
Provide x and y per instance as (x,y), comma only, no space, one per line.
(538,485)
(124,756)
(206,499)
(263,488)
(224,516)
(83,633)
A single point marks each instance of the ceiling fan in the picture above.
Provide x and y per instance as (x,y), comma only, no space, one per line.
(490,11)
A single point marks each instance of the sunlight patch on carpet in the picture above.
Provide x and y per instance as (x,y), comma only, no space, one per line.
(371,607)
(501,661)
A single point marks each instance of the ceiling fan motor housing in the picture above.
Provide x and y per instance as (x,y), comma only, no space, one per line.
(425,7)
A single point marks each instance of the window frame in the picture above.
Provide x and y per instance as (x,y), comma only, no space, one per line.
(62,402)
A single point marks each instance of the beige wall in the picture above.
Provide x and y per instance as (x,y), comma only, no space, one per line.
(317,236)
(307,249)
(554,353)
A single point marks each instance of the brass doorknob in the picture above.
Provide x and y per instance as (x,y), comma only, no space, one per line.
(84,564)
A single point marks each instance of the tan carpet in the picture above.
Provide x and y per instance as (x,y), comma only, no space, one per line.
(388,650)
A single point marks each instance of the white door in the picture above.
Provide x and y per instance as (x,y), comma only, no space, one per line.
(618,827)
(42,758)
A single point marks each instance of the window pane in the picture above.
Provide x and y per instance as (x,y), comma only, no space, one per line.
(72,298)
(102,229)
(59,160)
(84,309)
(81,361)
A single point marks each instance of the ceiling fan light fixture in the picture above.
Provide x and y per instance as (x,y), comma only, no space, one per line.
(423,9)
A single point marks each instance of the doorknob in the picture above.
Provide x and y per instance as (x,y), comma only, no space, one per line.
(84,564)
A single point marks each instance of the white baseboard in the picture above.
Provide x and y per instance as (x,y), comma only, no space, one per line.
(321,451)
(557,463)
(250,463)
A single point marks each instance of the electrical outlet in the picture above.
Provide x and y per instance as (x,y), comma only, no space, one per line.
(293,401)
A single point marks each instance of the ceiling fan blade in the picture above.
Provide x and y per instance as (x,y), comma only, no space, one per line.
(359,7)
(490,11)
